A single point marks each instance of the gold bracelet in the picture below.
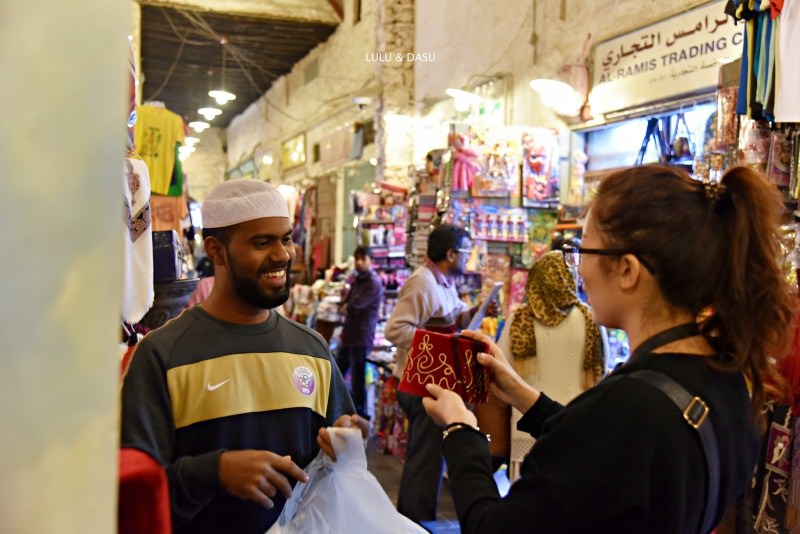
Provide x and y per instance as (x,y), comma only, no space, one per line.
(454,427)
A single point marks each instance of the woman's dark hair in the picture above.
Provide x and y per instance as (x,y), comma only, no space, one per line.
(716,251)
(443,238)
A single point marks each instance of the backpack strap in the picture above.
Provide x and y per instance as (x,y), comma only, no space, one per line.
(695,413)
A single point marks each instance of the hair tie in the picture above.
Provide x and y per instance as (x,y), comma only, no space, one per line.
(713,189)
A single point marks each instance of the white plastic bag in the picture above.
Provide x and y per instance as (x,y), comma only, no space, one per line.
(341,496)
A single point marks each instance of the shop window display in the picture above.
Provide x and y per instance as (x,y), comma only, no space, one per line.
(510,208)
(381,211)
(687,134)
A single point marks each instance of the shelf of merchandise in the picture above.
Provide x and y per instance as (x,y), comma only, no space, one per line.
(374,221)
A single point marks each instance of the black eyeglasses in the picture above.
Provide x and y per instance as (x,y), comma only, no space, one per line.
(572,255)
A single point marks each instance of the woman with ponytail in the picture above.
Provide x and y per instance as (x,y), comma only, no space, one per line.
(693,272)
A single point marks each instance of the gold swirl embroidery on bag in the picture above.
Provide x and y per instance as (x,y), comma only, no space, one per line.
(468,369)
(425,364)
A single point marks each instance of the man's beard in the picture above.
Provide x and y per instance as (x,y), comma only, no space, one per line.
(456,271)
(250,291)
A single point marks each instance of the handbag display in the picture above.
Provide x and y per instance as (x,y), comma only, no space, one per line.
(681,150)
(449,361)
(677,151)
(654,132)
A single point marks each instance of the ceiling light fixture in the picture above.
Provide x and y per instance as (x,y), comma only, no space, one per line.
(462,100)
(209,113)
(191,141)
(560,96)
(185,151)
(566,91)
(221,95)
(198,126)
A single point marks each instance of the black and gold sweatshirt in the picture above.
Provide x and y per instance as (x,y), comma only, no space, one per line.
(199,386)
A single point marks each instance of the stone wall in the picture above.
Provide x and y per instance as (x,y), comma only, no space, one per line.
(483,38)
(349,65)
(403,55)
(315,105)
(394,31)
(467,41)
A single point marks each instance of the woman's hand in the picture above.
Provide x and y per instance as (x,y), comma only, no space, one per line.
(345,421)
(447,407)
(506,384)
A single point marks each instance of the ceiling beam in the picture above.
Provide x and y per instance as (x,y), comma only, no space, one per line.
(337,7)
(315,11)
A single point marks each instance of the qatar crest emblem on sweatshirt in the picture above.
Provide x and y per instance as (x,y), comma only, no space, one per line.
(303,380)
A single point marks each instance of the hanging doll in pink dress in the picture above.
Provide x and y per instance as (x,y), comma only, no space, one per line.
(465,163)
(536,168)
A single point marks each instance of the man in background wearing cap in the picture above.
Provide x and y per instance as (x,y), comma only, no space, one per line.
(230,397)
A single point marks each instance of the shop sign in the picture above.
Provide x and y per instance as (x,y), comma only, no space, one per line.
(336,147)
(667,59)
(293,152)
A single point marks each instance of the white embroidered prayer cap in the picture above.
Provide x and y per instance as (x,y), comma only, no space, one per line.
(238,201)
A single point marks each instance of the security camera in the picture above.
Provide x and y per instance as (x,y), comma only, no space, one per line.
(362,102)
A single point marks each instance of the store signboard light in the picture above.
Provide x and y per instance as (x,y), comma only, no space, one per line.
(675,57)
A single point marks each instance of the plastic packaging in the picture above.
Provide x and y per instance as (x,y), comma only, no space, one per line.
(341,496)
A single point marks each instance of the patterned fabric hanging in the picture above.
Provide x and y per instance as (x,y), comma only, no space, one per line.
(132,94)
(771,479)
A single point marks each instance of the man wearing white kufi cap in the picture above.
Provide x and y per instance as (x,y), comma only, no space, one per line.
(232,398)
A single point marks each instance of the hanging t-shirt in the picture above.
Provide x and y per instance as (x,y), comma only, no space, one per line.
(746,89)
(787,75)
(156,132)
(169,212)
(137,290)
(766,59)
